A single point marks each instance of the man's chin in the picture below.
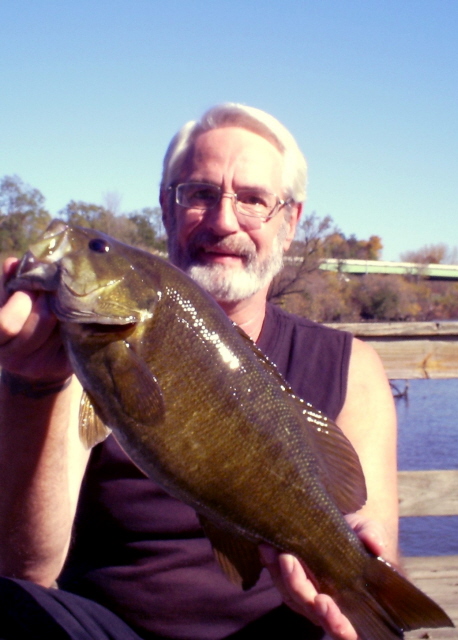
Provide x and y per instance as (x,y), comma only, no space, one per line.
(224,283)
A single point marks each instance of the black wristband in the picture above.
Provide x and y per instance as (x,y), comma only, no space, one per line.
(18,385)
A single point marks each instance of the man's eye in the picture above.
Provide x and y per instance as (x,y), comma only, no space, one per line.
(204,195)
(252,198)
(201,196)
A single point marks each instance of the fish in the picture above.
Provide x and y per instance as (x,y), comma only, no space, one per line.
(200,409)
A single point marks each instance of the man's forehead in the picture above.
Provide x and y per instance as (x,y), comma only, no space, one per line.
(233,149)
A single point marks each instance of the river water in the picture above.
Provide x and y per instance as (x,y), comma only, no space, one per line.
(428,439)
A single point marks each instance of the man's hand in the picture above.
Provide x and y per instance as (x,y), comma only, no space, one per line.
(300,594)
(30,344)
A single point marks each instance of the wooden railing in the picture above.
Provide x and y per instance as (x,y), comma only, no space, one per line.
(412,349)
(423,350)
(428,493)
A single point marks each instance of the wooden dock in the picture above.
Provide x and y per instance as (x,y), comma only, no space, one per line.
(423,350)
(437,576)
(432,493)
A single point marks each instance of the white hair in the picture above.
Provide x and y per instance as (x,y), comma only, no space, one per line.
(237,115)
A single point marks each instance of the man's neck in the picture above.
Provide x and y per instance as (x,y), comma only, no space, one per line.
(248,314)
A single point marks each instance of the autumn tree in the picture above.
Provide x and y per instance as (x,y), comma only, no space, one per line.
(22,215)
(343,248)
(318,239)
(439,253)
(303,257)
(385,297)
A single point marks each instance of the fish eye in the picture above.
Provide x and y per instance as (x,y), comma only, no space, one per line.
(99,245)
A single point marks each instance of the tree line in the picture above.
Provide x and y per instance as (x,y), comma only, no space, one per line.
(301,287)
(23,217)
(327,296)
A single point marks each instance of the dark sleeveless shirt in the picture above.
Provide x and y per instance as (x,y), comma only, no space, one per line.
(142,554)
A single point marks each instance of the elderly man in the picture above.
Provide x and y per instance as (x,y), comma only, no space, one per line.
(231,195)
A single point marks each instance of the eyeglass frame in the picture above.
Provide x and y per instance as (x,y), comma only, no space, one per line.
(233,195)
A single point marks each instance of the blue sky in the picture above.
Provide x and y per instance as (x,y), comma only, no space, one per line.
(92,92)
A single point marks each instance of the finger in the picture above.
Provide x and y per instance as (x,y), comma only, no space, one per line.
(319,608)
(30,343)
(332,619)
(300,594)
(14,315)
(290,579)
(372,534)
(8,270)
(9,266)
(35,333)
(294,574)
(373,540)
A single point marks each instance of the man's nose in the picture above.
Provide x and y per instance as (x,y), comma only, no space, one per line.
(222,218)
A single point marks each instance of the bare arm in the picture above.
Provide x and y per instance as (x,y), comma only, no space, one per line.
(41,459)
(368,419)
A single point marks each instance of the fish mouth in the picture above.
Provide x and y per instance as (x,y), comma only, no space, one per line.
(34,274)
(99,328)
(100,332)
(38,268)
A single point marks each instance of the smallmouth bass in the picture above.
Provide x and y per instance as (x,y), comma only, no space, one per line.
(198,407)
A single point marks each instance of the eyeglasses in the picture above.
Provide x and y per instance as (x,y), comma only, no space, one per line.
(201,196)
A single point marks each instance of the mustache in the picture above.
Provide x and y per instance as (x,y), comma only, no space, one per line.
(205,240)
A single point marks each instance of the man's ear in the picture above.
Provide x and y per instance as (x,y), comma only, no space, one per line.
(294,216)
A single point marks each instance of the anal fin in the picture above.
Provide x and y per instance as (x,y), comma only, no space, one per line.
(237,556)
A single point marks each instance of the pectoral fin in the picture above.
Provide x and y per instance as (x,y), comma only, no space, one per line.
(237,557)
(136,390)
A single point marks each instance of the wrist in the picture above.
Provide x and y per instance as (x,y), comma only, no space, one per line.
(29,388)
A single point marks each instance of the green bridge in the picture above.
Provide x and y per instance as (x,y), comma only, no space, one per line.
(361,267)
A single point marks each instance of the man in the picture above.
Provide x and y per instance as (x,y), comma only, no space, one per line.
(231,196)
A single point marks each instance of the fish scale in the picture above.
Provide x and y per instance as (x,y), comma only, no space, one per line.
(198,407)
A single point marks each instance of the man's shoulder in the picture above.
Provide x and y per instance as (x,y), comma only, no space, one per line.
(286,336)
(312,357)
(279,315)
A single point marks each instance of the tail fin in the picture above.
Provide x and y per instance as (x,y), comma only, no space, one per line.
(389,605)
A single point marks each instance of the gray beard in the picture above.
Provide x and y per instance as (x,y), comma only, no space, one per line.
(218,280)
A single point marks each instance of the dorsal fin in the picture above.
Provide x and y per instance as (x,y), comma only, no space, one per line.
(338,465)
(339,468)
